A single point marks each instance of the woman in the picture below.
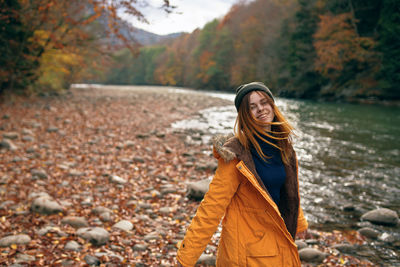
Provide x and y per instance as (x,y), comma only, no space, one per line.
(255,190)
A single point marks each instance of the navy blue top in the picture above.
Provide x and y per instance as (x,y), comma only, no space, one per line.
(272,172)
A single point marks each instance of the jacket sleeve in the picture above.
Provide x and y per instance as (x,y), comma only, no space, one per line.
(209,213)
(302,223)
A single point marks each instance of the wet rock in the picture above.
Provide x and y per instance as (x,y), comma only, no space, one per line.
(124,225)
(140,247)
(312,255)
(39,174)
(14,239)
(73,245)
(76,222)
(117,180)
(92,260)
(369,232)
(197,190)
(381,216)
(11,135)
(7,144)
(45,205)
(97,236)
(206,259)
(300,244)
(345,248)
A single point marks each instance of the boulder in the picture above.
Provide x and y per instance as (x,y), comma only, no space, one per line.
(381,216)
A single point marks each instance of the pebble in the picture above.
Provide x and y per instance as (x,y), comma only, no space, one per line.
(73,245)
(312,255)
(118,180)
(105,216)
(206,259)
(11,135)
(76,222)
(97,236)
(345,248)
(300,244)
(24,258)
(21,239)
(100,210)
(152,236)
(197,190)
(39,174)
(92,260)
(45,205)
(52,129)
(140,247)
(7,144)
(124,225)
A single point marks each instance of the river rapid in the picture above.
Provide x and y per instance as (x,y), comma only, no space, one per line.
(349,161)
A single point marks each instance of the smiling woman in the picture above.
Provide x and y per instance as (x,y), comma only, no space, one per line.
(255,189)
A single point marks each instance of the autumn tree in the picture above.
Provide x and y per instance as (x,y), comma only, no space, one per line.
(65,31)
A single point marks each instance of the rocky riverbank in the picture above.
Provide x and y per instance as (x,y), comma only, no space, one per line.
(97,176)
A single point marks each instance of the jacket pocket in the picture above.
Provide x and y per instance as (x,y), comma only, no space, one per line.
(264,252)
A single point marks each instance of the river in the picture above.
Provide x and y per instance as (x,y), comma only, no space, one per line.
(349,160)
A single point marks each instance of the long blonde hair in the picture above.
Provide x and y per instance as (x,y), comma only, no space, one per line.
(247,127)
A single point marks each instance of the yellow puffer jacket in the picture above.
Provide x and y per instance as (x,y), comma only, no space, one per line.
(255,231)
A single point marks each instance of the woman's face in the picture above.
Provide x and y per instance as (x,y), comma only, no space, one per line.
(260,107)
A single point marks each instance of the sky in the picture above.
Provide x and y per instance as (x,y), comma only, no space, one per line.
(189,15)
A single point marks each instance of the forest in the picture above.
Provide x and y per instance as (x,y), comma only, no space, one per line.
(345,50)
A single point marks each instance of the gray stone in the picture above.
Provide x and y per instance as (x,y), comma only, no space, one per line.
(76,222)
(129,144)
(76,173)
(34,195)
(152,236)
(197,190)
(73,245)
(105,216)
(140,247)
(369,232)
(51,229)
(300,244)
(24,258)
(168,190)
(28,138)
(11,135)
(7,144)
(118,180)
(52,129)
(27,132)
(15,239)
(345,248)
(124,225)
(206,259)
(39,173)
(97,236)
(45,205)
(109,255)
(92,260)
(165,210)
(381,216)
(312,255)
(100,209)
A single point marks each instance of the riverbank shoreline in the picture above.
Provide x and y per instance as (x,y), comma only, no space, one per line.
(114,149)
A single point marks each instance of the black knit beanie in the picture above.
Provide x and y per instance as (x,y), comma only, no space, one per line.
(244,89)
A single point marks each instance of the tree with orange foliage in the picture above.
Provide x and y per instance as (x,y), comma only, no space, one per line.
(69,28)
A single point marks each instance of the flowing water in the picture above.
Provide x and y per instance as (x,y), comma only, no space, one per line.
(349,161)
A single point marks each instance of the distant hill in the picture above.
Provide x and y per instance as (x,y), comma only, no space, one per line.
(149,38)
